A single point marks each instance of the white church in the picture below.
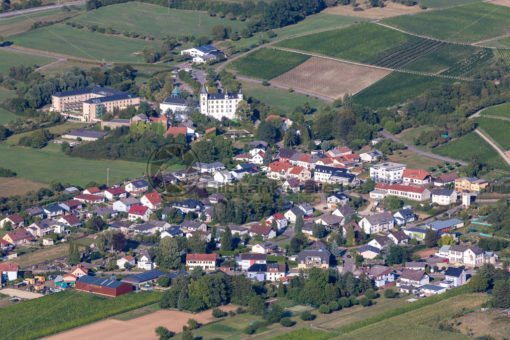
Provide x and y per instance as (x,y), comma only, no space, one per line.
(219,105)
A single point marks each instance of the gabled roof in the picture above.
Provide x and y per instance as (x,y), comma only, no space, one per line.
(93,190)
(137,210)
(442,192)
(379,270)
(399,235)
(9,267)
(413,275)
(381,218)
(97,281)
(447,178)
(366,248)
(153,197)
(322,253)
(260,229)
(286,153)
(201,257)
(452,271)
(419,174)
(20,234)
(296,170)
(258,268)
(438,225)
(254,257)
(16,218)
(405,213)
(139,183)
(88,197)
(176,130)
(279,166)
(71,219)
(116,191)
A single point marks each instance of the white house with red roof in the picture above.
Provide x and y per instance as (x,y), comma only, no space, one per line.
(411,192)
(278,170)
(299,172)
(339,151)
(129,260)
(93,191)
(205,261)
(281,221)
(15,220)
(71,205)
(137,187)
(89,199)
(19,237)
(80,271)
(151,200)
(418,177)
(70,220)
(115,193)
(265,231)
(9,271)
(139,211)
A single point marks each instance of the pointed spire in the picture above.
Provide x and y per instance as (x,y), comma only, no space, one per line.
(204,90)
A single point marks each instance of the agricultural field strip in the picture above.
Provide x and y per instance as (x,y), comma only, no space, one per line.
(313,54)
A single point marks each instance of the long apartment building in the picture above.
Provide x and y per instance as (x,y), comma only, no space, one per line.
(387,172)
(90,104)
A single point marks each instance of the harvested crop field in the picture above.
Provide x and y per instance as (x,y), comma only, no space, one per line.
(330,78)
(140,328)
(390,9)
(501,2)
(17,186)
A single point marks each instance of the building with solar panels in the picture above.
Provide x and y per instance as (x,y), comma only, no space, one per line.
(151,276)
(102,286)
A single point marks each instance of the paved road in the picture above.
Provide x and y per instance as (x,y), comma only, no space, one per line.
(42,8)
(494,145)
(386,134)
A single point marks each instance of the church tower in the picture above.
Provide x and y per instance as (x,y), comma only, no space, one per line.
(203,100)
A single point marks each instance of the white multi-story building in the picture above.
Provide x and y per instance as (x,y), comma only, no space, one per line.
(387,172)
(219,105)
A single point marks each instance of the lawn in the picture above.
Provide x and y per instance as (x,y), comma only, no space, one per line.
(467,146)
(64,39)
(57,312)
(497,129)
(155,20)
(56,130)
(413,160)
(469,23)
(32,257)
(312,23)
(444,4)
(305,334)
(502,110)
(279,99)
(267,63)
(425,321)
(50,164)
(9,59)
(407,136)
(5,115)
(397,88)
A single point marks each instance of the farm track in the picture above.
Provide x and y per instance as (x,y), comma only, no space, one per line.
(494,145)
(370,65)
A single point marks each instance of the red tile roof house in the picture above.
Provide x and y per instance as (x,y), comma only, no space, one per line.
(70,220)
(405,191)
(419,177)
(139,211)
(19,237)
(205,261)
(151,200)
(265,231)
(93,191)
(80,271)
(89,199)
(278,170)
(281,221)
(9,271)
(115,193)
(15,220)
(71,205)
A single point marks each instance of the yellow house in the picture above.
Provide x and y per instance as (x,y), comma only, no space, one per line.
(470,184)
(316,258)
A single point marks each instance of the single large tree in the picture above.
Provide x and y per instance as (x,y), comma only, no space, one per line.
(168,256)
(226,239)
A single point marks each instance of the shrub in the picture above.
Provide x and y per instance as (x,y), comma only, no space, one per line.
(193,324)
(265,83)
(390,293)
(164,281)
(287,322)
(333,305)
(370,293)
(365,302)
(218,313)
(163,333)
(344,302)
(324,309)
(307,316)
(354,301)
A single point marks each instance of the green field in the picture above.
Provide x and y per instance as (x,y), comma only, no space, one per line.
(502,110)
(310,24)
(56,130)
(5,115)
(445,3)
(50,164)
(305,334)
(469,23)
(497,129)
(267,63)
(57,312)
(155,20)
(83,44)
(279,99)
(396,88)
(363,42)
(9,59)
(465,147)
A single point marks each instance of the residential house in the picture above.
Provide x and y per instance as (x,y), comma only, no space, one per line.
(415,265)
(429,290)
(245,261)
(173,231)
(151,200)
(299,172)
(306,208)
(15,220)
(137,187)
(70,220)
(381,242)
(208,168)
(329,221)
(345,213)
(413,278)
(18,237)
(145,261)
(337,198)
(266,232)
(126,262)
(189,205)
(370,156)
(404,216)
(280,220)
(223,177)
(93,191)
(444,251)
(415,233)
(35,212)
(465,255)
(387,172)
(293,213)
(187,174)
(192,226)
(151,227)
(278,170)
(292,185)
(368,252)
(124,204)
(8,271)
(334,175)
(445,226)
(80,271)
(286,122)
(72,206)
(275,271)
(216,198)
(455,277)
(377,223)
(257,272)
(90,199)
(381,275)
(410,192)
(205,261)
(139,212)
(48,226)
(339,151)
(115,193)
(318,258)
(105,212)
(418,177)
(265,248)
(446,179)
(473,184)
(53,211)
(444,196)
(285,155)
(398,237)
